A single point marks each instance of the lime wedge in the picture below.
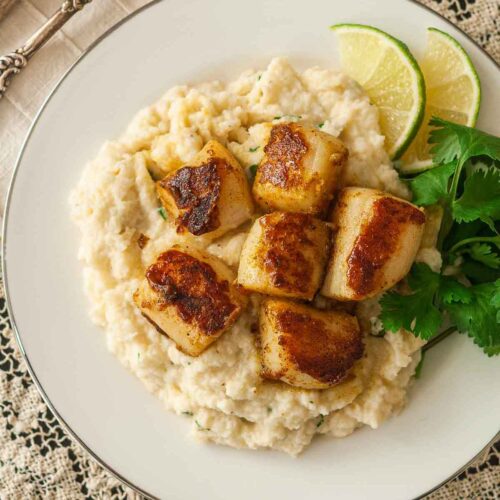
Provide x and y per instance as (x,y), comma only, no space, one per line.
(389,74)
(453,93)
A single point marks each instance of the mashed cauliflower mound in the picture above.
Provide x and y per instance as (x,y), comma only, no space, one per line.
(115,202)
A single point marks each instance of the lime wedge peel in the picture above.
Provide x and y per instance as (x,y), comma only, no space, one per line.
(453,93)
(390,75)
(470,72)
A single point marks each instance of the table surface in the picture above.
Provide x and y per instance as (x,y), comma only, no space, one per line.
(38,459)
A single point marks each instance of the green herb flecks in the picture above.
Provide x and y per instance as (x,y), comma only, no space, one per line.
(321,420)
(163,213)
(289,117)
(321,125)
(251,172)
(188,413)
(200,427)
(252,150)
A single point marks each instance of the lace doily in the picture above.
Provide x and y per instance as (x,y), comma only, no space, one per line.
(38,459)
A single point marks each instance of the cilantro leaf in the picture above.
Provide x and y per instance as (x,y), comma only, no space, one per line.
(416,312)
(482,252)
(431,186)
(479,318)
(495,300)
(464,231)
(479,273)
(481,197)
(453,142)
(466,183)
(450,290)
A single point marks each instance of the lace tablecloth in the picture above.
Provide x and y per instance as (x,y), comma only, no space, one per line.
(37,457)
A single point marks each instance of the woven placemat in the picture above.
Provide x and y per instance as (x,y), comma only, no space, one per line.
(37,457)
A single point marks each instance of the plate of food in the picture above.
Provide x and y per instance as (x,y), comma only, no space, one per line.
(233,233)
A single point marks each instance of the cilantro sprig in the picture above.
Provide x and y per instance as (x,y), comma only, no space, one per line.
(465,182)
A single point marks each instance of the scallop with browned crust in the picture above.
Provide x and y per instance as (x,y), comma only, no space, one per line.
(188,296)
(299,170)
(376,238)
(285,255)
(210,197)
(306,347)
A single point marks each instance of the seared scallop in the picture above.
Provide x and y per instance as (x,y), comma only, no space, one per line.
(210,197)
(306,347)
(188,295)
(299,170)
(285,255)
(376,238)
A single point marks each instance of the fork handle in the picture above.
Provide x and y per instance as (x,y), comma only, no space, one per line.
(11,64)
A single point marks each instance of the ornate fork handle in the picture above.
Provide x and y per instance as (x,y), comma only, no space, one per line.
(11,64)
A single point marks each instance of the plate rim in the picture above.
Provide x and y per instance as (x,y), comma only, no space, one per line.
(11,316)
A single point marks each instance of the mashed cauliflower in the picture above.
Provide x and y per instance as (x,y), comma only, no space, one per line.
(115,203)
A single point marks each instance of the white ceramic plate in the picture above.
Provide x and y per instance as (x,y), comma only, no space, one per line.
(453,410)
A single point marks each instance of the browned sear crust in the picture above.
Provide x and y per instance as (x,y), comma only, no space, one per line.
(282,256)
(378,242)
(196,191)
(193,288)
(285,151)
(315,349)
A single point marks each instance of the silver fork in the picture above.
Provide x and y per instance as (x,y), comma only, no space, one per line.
(11,64)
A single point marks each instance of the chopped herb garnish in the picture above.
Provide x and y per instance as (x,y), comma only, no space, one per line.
(188,413)
(292,117)
(251,172)
(320,125)
(252,150)
(163,213)
(258,79)
(269,409)
(321,420)
(200,427)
